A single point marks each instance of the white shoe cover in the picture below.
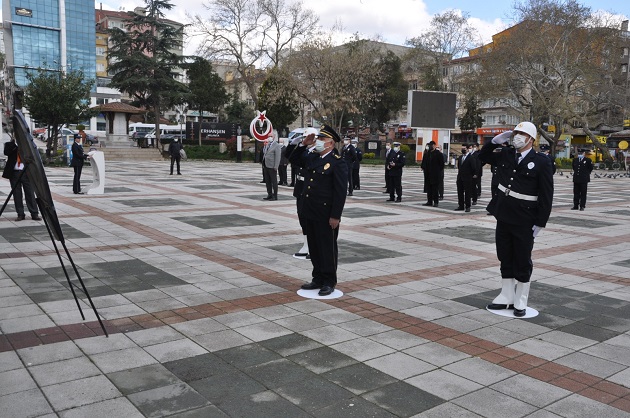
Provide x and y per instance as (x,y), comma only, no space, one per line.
(521,295)
(506,297)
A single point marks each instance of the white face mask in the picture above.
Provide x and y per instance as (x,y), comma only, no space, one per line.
(520,141)
(388,147)
(396,149)
(319,145)
(346,142)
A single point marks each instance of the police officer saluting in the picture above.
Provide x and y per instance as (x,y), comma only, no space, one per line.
(521,206)
(321,204)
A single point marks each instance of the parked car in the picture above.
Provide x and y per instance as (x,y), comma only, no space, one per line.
(91,139)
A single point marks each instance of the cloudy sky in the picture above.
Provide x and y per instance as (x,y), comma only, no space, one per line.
(393,20)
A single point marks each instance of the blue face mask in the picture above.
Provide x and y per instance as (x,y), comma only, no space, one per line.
(319,145)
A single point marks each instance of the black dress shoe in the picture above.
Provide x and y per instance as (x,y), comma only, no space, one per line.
(467,210)
(581,209)
(291,185)
(474,202)
(268,198)
(20,218)
(435,205)
(311,286)
(389,200)
(350,194)
(459,208)
(326,290)
(398,200)
(427,204)
(498,306)
(36,218)
(574,208)
(520,312)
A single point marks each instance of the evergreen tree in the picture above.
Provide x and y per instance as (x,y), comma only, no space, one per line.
(143,58)
(279,100)
(472,117)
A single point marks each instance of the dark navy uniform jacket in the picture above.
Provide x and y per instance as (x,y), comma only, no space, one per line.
(357,162)
(582,170)
(325,182)
(532,177)
(349,155)
(399,159)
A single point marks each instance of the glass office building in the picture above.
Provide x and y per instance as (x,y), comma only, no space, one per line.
(54,34)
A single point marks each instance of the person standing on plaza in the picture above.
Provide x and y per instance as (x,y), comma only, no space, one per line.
(388,149)
(582,168)
(445,162)
(321,204)
(78,158)
(433,167)
(547,151)
(395,163)
(474,152)
(349,155)
(272,154)
(282,168)
(356,180)
(175,151)
(300,171)
(466,174)
(14,170)
(521,207)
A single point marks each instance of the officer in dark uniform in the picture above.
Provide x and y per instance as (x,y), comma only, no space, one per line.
(349,155)
(321,204)
(356,180)
(394,165)
(521,206)
(300,171)
(467,172)
(547,151)
(582,167)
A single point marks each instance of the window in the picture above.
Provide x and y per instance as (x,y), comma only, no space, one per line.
(101,126)
(625,52)
(624,68)
(100,51)
(101,101)
(100,67)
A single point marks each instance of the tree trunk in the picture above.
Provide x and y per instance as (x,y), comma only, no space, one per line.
(603,148)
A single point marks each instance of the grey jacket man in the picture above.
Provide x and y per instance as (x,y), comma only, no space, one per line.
(273,155)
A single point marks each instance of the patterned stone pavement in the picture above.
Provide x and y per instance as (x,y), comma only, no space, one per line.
(194,277)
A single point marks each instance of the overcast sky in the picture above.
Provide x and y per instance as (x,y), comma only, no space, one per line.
(393,20)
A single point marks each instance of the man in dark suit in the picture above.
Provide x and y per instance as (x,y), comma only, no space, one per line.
(547,151)
(388,149)
(521,207)
(321,204)
(78,157)
(349,155)
(395,163)
(474,151)
(467,169)
(433,167)
(582,167)
(14,170)
(356,167)
(282,168)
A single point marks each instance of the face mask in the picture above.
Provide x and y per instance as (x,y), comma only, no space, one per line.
(396,149)
(346,142)
(388,147)
(319,145)
(519,141)
(464,150)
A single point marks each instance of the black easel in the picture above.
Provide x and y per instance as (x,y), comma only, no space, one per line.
(72,286)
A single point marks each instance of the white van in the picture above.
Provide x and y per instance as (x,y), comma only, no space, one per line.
(165,130)
(140,130)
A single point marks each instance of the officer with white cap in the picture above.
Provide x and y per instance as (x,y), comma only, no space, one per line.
(521,206)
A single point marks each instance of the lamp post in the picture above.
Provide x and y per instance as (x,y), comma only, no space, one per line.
(239,145)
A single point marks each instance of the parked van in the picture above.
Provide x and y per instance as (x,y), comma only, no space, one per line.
(140,130)
(165,130)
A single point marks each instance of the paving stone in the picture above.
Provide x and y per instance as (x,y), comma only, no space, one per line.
(362,349)
(49,353)
(199,327)
(314,393)
(80,392)
(263,331)
(268,404)
(487,402)
(352,408)
(290,344)
(63,371)
(142,378)
(322,359)
(114,361)
(18,380)
(530,390)
(400,365)
(199,367)
(331,334)
(436,354)
(210,411)
(443,384)
(359,378)
(174,350)
(577,406)
(101,344)
(153,336)
(230,385)
(247,355)
(167,400)
(221,340)
(278,373)
(402,399)
(591,364)
(448,410)
(479,371)
(9,360)
(30,403)
(119,407)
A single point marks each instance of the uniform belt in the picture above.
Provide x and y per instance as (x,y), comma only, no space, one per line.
(300,178)
(509,192)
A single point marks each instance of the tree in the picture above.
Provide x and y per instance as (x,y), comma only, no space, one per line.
(207,89)
(278,98)
(559,64)
(393,89)
(143,58)
(449,36)
(57,98)
(472,117)
(239,113)
(251,33)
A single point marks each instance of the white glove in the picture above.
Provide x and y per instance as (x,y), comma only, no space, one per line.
(536,230)
(501,138)
(297,140)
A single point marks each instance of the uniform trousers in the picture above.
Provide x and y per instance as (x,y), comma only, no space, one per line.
(76,182)
(322,247)
(355,178)
(387,181)
(579,194)
(282,172)
(433,193)
(25,183)
(465,190)
(514,250)
(395,185)
(173,161)
(350,179)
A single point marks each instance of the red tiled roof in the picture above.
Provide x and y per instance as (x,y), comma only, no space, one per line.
(118,107)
